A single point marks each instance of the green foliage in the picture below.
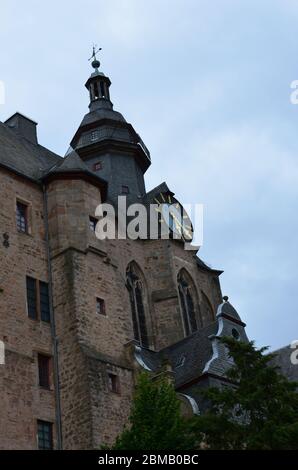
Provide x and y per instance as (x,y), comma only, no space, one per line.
(155,420)
(259,412)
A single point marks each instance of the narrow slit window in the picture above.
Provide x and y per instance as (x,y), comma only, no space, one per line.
(44,302)
(114,383)
(100,306)
(31,286)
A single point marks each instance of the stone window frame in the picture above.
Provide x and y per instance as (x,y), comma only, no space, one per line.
(142,327)
(100,302)
(189,303)
(28,205)
(38,300)
(204,299)
(113,381)
(50,426)
(49,385)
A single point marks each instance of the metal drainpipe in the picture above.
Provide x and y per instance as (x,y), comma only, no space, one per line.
(53,327)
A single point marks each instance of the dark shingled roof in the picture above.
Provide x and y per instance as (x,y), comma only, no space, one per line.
(204,266)
(161,188)
(227,309)
(35,161)
(24,157)
(283,361)
(71,163)
(187,357)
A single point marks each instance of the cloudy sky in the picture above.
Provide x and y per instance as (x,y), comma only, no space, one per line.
(207,86)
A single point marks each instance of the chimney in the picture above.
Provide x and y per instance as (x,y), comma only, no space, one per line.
(24,126)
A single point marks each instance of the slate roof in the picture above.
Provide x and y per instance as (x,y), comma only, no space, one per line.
(35,161)
(227,309)
(187,357)
(24,157)
(161,188)
(283,361)
(204,266)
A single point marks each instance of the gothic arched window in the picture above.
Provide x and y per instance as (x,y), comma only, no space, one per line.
(188,302)
(136,293)
(207,309)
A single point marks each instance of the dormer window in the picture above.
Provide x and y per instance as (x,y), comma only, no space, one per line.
(97,166)
(94,135)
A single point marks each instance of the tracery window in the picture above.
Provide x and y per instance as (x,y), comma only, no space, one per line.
(207,310)
(188,303)
(136,292)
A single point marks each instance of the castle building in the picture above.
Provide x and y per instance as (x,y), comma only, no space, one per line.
(81,316)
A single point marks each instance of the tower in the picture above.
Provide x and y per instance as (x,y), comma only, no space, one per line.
(80,317)
(108,144)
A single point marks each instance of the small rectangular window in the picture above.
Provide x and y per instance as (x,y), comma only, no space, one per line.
(94,135)
(125,189)
(45,435)
(114,383)
(100,306)
(92,223)
(44,370)
(22,217)
(44,302)
(97,166)
(31,297)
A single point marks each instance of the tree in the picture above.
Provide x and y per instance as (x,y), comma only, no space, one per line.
(155,422)
(258,409)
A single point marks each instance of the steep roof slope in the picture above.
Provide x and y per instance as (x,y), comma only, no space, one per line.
(23,157)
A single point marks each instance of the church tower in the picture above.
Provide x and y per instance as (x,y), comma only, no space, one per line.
(108,144)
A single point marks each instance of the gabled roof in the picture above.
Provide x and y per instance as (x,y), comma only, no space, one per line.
(24,157)
(187,357)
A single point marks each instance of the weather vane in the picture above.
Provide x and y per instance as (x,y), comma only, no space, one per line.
(95,50)
(95,63)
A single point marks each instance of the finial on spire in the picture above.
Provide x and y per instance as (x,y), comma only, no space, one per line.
(95,63)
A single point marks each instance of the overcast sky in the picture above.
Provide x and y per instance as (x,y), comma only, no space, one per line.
(207,86)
